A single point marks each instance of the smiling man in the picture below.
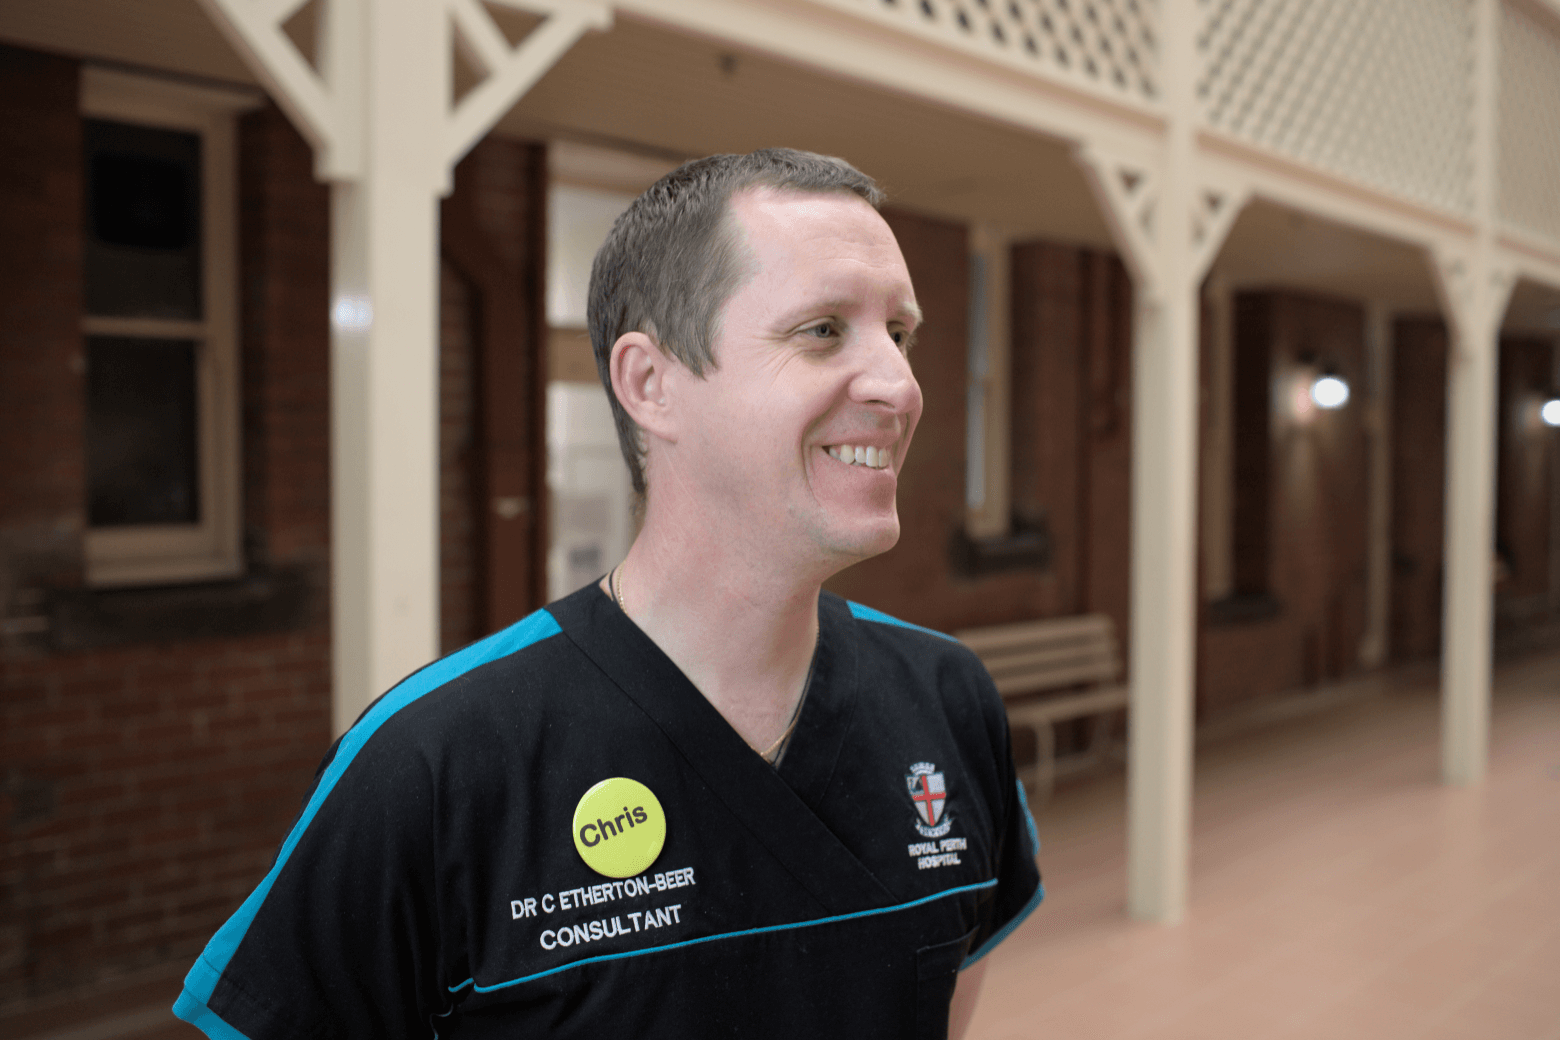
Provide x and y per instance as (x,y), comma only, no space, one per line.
(702,798)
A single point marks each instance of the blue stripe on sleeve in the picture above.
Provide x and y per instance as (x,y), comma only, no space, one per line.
(863,613)
(202,979)
(1029,907)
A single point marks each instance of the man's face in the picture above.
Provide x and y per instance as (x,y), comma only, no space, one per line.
(797,436)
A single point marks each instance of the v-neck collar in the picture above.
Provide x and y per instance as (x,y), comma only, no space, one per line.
(777,805)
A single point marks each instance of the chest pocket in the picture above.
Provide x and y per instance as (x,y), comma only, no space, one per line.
(936,974)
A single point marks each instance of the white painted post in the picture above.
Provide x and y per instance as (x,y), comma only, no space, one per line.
(1164,510)
(1164,544)
(1169,222)
(386,136)
(384,360)
(1474,291)
(1470,512)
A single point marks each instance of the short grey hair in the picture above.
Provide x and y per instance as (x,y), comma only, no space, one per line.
(671,261)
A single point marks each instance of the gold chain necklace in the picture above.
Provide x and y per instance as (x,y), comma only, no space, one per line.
(615,584)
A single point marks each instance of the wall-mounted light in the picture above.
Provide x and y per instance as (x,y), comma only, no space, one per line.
(1550,413)
(1330,391)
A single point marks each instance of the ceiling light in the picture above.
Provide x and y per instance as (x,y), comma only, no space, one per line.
(1330,391)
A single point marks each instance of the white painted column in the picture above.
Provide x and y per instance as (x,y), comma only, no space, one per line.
(1164,509)
(1169,219)
(1470,548)
(1375,644)
(1474,290)
(1164,630)
(386,134)
(384,363)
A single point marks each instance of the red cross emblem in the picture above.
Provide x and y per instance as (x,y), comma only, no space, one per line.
(928,794)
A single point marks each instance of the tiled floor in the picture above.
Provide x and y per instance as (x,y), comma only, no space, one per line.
(1338,890)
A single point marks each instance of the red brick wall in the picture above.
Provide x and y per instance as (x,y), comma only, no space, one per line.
(1310,559)
(42,447)
(459,556)
(1048,371)
(1418,485)
(149,784)
(494,240)
(1107,536)
(148,779)
(1526,469)
(284,236)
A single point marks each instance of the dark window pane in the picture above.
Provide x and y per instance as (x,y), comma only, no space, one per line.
(143,252)
(141,432)
(141,201)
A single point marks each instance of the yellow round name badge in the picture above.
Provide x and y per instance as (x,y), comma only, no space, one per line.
(619,827)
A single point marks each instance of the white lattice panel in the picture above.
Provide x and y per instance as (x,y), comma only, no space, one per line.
(1529,158)
(1375,90)
(1109,45)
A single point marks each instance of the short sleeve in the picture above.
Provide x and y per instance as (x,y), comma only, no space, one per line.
(340,938)
(1019,890)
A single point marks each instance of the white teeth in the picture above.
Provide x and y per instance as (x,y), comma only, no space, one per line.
(861,455)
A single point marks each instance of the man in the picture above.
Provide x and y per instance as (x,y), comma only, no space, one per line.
(701,798)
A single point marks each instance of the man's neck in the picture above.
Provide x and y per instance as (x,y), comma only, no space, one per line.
(741,632)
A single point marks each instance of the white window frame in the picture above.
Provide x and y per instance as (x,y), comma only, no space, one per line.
(988,431)
(212,548)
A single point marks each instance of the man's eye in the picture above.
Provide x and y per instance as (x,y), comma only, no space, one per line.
(823,330)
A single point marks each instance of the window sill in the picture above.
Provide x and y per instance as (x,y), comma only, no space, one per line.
(1026,548)
(81,619)
(1245,608)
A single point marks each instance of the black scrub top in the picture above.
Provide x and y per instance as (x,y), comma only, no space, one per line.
(432,886)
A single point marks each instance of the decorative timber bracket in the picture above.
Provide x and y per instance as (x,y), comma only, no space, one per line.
(326,98)
(1130,190)
(1474,304)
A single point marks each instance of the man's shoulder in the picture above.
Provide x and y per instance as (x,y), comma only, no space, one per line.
(444,691)
(862,612)
(922,644)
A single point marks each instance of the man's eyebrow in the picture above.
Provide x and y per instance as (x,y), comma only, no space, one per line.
(908,311)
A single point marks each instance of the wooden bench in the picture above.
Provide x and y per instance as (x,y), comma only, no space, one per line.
(1078,654)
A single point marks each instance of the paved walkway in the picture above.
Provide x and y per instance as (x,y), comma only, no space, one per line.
(1338,890)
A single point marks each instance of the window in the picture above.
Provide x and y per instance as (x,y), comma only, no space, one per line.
(593,518)
(159,330)
(987,512)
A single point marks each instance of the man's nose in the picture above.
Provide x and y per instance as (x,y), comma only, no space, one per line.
(886,378)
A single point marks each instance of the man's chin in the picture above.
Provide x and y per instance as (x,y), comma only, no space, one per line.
(863,544)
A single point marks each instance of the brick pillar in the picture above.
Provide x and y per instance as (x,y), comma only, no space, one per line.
(42,420)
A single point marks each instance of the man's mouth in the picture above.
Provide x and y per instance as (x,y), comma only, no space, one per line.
(861,455)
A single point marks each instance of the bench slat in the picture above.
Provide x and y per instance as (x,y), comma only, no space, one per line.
(1088,628)
(1061,709)
(1011,685)
(1037,661)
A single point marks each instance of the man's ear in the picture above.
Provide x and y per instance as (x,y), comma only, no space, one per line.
(640,372)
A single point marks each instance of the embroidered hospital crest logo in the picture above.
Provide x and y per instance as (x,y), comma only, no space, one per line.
(929,795)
